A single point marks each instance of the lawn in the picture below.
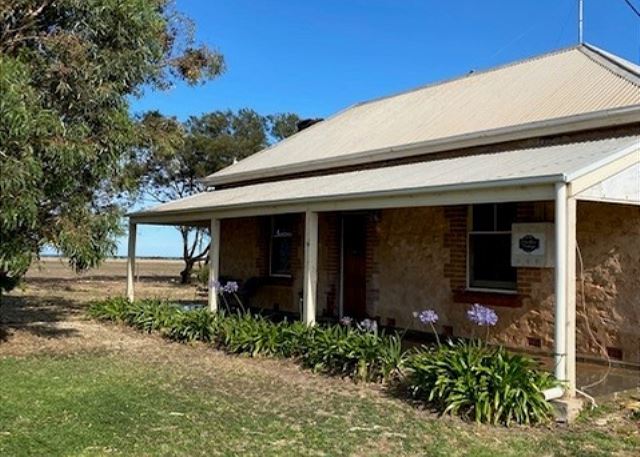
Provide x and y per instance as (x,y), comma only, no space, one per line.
(107,404)
(73,387)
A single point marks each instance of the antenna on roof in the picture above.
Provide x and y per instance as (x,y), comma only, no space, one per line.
(581,21)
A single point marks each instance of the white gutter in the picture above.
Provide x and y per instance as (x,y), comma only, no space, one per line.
(502,183)
(598,119)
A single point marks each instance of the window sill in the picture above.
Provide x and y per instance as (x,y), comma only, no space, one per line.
(279,280)
(507,299)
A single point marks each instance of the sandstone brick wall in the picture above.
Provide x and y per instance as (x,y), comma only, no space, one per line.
(416,259)
(609,239)
(244,254)
(421,258)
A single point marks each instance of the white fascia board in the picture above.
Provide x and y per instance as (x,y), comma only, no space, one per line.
(522,189)
(599,119)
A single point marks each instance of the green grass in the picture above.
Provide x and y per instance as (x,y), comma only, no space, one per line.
(87,404)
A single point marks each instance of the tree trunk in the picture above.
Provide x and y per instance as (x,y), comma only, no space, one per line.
(189,255)
(185,275)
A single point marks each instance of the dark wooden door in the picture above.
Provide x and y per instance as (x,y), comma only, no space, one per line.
(354,266)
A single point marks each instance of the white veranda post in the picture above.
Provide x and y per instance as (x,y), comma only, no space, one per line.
(214,263)
(571,295)
(565,301)
(310,268)
(131,261)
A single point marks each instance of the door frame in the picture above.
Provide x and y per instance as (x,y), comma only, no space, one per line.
(341,285)
(341,279)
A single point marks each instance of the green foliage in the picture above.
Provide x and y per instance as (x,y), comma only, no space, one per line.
(193,325)
(361,355)
(481,383)
(67,71)
(174,156)
(112,309)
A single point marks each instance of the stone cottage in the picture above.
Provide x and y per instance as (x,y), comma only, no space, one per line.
(517,187)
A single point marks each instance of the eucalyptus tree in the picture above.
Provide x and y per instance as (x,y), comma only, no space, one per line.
(175,156)
(68,69)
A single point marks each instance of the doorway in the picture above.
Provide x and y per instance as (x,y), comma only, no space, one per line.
(354,273)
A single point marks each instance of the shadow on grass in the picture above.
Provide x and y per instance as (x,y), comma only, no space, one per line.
(37,316)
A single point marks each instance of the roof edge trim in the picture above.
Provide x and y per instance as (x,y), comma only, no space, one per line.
(597,119)
(493,184)
(615,64)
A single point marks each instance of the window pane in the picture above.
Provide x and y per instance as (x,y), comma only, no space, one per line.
(506,216)
(490,261)
(483,217)
(281,256)
(282,225)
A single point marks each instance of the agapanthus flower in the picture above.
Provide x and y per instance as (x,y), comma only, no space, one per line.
(346,321)
(230,287)
(427,316)
(369,325)
(215,285)
(482,316)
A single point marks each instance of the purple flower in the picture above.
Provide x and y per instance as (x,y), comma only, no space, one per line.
(369,325)
(230,287)
(428,316)
(482,316)
(346,321)
(215,285)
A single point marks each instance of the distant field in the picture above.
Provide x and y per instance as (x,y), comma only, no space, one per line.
(51,278)
(55,267)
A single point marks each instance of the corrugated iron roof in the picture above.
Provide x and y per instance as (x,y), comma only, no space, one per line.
(520,165)
(557,85)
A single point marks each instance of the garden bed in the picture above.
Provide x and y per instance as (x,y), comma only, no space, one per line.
(469,379)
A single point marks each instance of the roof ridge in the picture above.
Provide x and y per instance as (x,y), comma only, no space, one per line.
(415,89)
(471,74)
(613,63)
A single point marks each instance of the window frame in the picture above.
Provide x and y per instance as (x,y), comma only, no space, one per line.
(501,290)
(272,223)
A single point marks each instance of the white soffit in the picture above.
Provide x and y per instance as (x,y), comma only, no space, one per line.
(623,187)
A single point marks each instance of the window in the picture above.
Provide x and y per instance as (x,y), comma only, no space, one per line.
(280,249)
(489,245)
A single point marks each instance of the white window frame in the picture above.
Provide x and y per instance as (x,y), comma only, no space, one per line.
(470,231)
(272,223)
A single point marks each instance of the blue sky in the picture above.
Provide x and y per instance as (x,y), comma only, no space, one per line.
(315,57)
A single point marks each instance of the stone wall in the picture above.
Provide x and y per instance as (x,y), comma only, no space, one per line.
(420,260)
(609,240)
(416,259)
(244,254)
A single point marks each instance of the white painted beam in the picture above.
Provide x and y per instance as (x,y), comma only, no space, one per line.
(524,193)
(560,323)
(214,264)
(131,261)
(571,297)
(310,287)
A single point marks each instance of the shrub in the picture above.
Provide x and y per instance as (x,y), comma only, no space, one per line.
(151,315)
(480,383)
(111,309)
(345,351)
(250,334)
(192,325)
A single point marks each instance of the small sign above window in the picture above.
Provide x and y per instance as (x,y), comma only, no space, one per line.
(532,245)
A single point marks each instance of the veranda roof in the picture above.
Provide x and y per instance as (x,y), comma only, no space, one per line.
(574,86)
(513,168)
